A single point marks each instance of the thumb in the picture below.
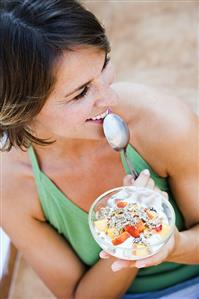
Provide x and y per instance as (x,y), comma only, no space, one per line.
(128,180)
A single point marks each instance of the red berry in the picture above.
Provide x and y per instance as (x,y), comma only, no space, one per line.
(132,230)
(121,238)
(158,228)
(121,204)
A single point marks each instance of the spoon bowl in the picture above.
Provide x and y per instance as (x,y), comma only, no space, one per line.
(117,134)
(116,131)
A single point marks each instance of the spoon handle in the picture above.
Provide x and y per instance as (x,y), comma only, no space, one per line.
(132,170)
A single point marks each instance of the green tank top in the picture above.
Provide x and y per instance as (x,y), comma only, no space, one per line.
(72,223)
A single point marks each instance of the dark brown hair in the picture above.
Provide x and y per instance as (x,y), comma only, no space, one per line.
(34,34)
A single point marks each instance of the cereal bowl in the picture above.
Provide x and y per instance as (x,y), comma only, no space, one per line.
(131,222)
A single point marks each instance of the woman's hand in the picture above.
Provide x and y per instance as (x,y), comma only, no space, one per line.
(164,255)
(144,180)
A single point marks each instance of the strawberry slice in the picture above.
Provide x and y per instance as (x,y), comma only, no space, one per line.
(132,230)
(121,204)
(158,228)
(119,240)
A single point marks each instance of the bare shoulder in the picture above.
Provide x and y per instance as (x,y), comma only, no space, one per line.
(32,236)
(160,123)
(155,102)
(18,187)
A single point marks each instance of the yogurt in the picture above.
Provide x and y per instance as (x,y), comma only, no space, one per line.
(133,224)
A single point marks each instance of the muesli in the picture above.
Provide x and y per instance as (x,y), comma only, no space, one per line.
(132,224)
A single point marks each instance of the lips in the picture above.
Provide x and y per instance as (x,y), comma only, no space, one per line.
(100,117)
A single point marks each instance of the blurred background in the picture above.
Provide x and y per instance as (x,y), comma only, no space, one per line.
(154,43)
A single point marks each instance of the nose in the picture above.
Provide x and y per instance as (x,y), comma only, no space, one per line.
(106,97)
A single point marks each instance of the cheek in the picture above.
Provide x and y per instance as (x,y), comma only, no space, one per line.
(76,113)
(54,117)
(68,115)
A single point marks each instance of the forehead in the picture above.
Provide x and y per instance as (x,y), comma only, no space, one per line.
(78,64)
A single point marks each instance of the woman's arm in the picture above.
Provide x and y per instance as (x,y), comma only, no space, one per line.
(172,137)
(180,151)
(186,250)
(183,171)
(101,282)
(50,255)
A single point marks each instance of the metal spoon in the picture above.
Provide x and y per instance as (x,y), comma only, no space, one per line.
(117,135)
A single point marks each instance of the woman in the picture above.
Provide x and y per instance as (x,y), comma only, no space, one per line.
(56,88)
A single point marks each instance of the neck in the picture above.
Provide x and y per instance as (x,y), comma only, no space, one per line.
(70,149)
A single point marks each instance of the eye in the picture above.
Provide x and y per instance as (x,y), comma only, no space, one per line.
(85,90)
(107,59)
(82,94)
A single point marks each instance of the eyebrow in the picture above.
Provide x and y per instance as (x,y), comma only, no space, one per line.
(85,84)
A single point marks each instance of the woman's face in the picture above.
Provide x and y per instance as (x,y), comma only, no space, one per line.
(82,92)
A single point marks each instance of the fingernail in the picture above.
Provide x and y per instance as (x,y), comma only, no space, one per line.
(129,176)
(146,172)
(165,194)
(140,265)
(116,266)
(103,255)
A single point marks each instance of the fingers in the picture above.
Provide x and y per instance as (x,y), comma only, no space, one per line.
(165,194)
(118,264)
(153,261)
(156,189)
(142,179)
(104,255)
(150,184)
(121,264)
(157,258)
(128,180)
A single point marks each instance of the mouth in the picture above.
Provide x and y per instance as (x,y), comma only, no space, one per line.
(99,118)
